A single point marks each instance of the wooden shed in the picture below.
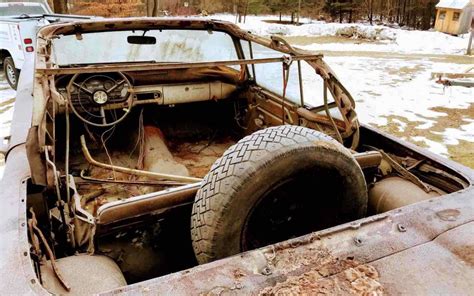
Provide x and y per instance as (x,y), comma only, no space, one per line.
(454,16)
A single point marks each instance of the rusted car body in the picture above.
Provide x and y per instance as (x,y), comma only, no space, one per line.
(97,198)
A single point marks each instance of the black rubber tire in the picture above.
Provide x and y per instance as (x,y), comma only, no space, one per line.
(259,162)
(8,61)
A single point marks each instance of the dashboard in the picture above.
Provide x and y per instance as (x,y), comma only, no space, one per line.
(105,99)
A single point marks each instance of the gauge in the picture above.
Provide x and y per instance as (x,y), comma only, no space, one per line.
(108,84)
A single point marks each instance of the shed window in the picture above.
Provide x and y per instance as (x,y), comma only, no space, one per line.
(442,14)
(456,16)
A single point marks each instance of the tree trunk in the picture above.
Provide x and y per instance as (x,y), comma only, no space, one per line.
(399,5)
(404,12)
(246,10)
(299,12)
(156,8)
(340,14)
(60,6)
(351,11)
(382,9)
(150,4)
(371,11)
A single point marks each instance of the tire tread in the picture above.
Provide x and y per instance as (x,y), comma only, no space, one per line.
(213,196)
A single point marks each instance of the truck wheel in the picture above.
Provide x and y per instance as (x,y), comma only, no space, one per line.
(11,72)
(275,184)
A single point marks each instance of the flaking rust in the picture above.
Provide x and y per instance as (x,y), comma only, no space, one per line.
(313,270)
(354,279)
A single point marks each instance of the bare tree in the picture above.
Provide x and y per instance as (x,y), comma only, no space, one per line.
(60,6)
(152,7)
(369,6)
(419,14)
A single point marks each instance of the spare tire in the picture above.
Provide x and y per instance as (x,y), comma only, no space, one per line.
(278,183)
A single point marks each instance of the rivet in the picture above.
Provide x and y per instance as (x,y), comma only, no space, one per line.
(267,271)
(401,228)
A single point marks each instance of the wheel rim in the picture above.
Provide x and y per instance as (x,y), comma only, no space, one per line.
(11,74)
(292,208)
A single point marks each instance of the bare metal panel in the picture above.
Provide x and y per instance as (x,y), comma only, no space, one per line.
(187,93)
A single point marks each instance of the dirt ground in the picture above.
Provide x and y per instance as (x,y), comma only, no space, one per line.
(463,152)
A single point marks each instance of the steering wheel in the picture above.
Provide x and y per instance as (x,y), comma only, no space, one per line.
(102,101)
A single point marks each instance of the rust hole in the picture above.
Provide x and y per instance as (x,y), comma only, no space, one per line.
(357,241)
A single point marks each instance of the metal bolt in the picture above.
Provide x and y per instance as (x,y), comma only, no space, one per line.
(401,228)
(238,286)
(267,271)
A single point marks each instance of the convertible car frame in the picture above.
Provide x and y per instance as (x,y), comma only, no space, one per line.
(180,156)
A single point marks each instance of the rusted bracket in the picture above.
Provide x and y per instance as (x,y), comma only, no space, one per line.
(405,173)
(453,79)
(34,225)
(278,39)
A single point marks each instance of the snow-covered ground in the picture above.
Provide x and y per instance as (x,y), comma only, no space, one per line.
(387,39)
(399,91)
(388,71)
(7,98)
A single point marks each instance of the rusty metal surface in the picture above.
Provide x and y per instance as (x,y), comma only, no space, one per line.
(363,254)
(117,211)
(372,255)
(444,266)
(16,270)
(396,192)
(369,159)
(87,275)
(343,99)
(359,257)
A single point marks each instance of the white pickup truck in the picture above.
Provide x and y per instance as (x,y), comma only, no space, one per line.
(19,23)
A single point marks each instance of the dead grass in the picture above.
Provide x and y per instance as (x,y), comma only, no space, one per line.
(463,153)
(110,8)
(454,119)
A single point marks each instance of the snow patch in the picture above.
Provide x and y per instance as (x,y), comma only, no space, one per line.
(395,39)
(433,146)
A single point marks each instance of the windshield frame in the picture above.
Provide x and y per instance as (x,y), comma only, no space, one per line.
(46,70)
(235,43)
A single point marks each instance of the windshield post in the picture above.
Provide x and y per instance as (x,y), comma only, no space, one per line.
(251,57)
(300,77)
